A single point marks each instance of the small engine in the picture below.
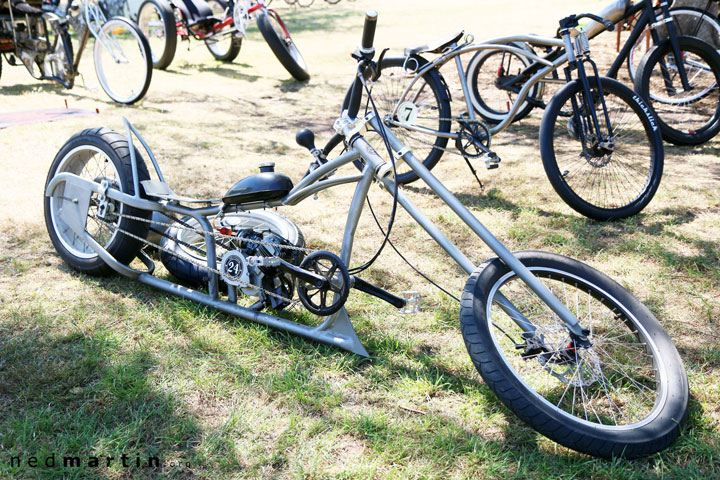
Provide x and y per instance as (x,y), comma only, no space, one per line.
(271,278)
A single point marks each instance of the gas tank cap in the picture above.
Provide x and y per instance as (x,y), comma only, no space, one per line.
(267,167)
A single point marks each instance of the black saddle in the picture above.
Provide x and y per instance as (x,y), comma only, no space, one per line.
(20,7)
(436,47)
(195,11)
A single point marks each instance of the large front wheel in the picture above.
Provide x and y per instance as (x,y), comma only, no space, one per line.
(608,172)
(278,39)
(624,395)
(123,61)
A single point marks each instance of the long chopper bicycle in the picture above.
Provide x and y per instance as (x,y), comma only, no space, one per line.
(566,348)
(222,25)
(40,40)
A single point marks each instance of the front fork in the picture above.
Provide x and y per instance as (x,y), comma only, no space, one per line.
(586,119)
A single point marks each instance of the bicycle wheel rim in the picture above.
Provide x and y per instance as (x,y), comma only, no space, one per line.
(286,41)
(388,96)
(121,61)
(611,182)
(221,42)
(623,367)
(93,164)
(152,26)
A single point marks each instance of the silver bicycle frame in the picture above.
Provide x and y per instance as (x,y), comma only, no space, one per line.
(336,329)
(494,44)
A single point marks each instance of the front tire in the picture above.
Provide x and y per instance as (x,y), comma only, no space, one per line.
(626,395)
(602,183)
(123,61)
(282,45)
(96,154)
(157,22)
(686,117)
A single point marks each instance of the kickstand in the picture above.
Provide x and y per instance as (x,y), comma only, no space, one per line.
(474,172)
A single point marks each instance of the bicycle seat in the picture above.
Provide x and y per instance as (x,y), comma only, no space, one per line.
(20,7)
(195,11)
(436,47)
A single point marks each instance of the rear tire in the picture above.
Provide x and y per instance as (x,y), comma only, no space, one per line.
(629,393)
(284,49)
(225,48)
(96,154)
(157,22)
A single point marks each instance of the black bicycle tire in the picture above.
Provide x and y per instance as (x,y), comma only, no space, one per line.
(170,41)
(649,122)
(642,86)
(471,75)
(278,47)
(709,16)
(123,248)
(235,43)
(593,439)
(435,82)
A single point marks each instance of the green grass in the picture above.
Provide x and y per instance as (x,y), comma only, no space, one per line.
(106,366)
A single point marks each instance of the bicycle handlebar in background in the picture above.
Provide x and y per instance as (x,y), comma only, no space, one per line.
(366,53)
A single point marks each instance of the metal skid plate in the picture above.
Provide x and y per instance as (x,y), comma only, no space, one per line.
(72,195)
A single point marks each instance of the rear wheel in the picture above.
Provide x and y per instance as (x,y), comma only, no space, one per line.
(487,68)
(278,39)
(96,154)
(686,116)
(157,21)
(613,173)
(426,105)
(624,395)
(123,61)
(223,46)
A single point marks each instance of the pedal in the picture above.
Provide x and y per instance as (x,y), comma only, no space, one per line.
(492,161)
(413,300)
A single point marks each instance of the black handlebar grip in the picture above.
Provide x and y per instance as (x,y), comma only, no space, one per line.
(368,35)
(609,26)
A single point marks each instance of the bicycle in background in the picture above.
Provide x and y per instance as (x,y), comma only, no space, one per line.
(40,40)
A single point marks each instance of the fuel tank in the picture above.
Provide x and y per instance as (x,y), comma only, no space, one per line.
(264,186)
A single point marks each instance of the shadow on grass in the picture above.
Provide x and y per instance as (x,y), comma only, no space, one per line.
(76,395)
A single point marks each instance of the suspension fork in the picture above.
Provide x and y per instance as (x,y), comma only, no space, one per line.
(588,121)
(653,23)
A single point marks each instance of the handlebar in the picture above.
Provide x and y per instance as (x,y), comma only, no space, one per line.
(572,22)
(364,56)
(368,35)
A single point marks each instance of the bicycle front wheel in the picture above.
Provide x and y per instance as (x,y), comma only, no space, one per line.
(123,62)
(624,395)
(607,174)
(278,39)
(223,45)
(686,116)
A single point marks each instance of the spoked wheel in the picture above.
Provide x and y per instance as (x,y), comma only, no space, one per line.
(606,174)
(688,21)
(686,116)
(485,70)
(123,61)
(157,22)
(278,39)
(426,105)
(96,154)
(625,395)
(224,46)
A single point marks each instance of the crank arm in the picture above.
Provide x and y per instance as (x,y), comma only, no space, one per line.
(360,284)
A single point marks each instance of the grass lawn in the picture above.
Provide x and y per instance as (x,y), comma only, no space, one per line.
(101,367)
